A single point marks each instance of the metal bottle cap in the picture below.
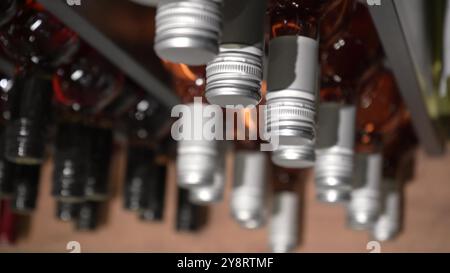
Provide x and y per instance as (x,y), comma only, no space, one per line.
(210,193)
(291,156)
(234,77)
(284,222)
(292,88)
(365,204)
(334,163)
(187,31)
(213,193)
(248,195)
(196,158)
(389,222)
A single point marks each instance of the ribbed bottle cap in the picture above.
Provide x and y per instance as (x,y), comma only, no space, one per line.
(197,156)
(188,31)
(333,174)
(292,90)
(234,77)
(291,156)
(196,163)
(290,117)
(334,151)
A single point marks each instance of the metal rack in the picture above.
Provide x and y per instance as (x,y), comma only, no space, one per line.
(401,25)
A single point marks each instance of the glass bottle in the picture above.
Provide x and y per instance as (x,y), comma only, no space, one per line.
(6,186)
(345,56)
(196,155)
(292,79)
(89,83)
(71,167)
(249,188)
(380,112)
(32,36)
(99,160)
(29,107)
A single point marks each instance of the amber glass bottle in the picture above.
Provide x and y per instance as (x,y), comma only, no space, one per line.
(292,79)
(380,112)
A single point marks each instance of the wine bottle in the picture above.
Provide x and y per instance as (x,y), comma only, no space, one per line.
(29,107)
(345,56)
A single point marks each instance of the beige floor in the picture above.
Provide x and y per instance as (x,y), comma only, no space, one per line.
(427,223)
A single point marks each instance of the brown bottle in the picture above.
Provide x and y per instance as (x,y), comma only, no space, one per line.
(32,36)
(380,113)
(292,80)
(345,55)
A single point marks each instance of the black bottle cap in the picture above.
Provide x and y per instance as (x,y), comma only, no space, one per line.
(70,165)
(88,216)
(67,211)
(190,217)
(139,163)
(29,104)
(152,202)
(25,189)
(97,186)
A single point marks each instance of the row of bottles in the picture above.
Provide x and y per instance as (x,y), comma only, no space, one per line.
(353,129)
(65,94)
